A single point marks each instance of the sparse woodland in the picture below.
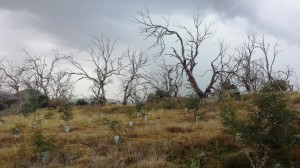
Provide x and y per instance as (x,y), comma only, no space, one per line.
(247,115)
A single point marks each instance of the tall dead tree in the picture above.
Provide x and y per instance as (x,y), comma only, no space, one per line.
(14,75)
(169,78)
(186,46)
(103,63)
(136,61)
(249,75)
(41,72)
(257,58)
(46,76)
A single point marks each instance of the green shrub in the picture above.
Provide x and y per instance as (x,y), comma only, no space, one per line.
(275,86)
(81,102)
(193,102)
(66,113)
(34,101)
(139,105)
(41,143)
(43,101)
(229,118)
(269,128)
(161,93)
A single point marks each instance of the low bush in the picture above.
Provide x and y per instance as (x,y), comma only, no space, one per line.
(239,160)
(81,102)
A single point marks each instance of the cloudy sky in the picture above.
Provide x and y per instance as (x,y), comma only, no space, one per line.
(42,25)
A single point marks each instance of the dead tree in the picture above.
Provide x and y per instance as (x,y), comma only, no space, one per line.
(132,75)
(248,72)
(14,76)
(168,78)
(62,86)
(41,72)
(269,57)
(270,53)
(185,50)
(223,69)
(104,64)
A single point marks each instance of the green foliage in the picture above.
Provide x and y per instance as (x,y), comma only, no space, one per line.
(34,101)
(43,101)
(269,128)
(275,86)
(81,102)
(228,111)
(40,142)
(114,126)
(161,93)
(66,113)
(3,104)
(195,163)
(139,105)
(130,112)
(193,102)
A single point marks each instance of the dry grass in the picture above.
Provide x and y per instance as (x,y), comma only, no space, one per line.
(146,144)
(161,141)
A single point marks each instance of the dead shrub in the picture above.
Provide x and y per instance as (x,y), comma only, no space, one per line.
(56,102)
(177,129)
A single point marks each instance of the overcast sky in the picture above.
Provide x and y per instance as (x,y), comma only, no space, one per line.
(42,25)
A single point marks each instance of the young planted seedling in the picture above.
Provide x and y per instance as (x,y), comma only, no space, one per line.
(139,106)
(130,117)
(193,102)
(145,116)
(66,115)
(42,145)
(16,131)
(115,128)
(48,116)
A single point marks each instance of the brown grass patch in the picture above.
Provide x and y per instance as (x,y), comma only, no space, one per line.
(178,129)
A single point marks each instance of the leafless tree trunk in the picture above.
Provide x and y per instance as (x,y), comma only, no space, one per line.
(136,62)
(188,47)
(104,64)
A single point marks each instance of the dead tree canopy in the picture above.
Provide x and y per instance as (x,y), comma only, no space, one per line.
(186,46)
(104,65)
(130,80)
(13,75)
(167,79)
(44,75)
(256,57)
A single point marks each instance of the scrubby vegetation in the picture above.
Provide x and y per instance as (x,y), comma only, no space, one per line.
(169,138)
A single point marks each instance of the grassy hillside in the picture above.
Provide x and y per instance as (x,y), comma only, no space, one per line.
(169,138)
